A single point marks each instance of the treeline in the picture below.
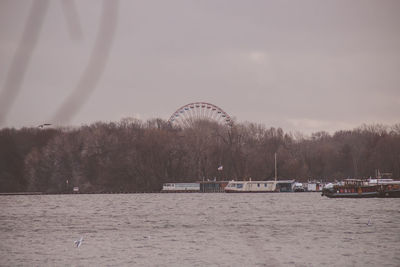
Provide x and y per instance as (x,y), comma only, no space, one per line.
(137,156)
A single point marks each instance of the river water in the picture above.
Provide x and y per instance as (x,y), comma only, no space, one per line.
(284,229)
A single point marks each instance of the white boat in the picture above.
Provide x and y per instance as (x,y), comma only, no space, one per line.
(298,187)
(180,188)
(259,186)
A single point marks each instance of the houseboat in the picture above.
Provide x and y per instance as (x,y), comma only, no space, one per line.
(259,186)
(180,188)
(356,188)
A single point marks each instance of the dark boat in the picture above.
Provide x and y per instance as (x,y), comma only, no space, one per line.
(355,188)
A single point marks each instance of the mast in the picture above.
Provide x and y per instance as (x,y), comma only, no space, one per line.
(275,169)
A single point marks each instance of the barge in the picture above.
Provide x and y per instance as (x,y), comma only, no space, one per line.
(356,188)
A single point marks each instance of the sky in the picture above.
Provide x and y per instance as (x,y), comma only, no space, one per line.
(304,66)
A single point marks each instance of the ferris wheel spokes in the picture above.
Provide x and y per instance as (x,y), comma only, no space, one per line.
(186,115)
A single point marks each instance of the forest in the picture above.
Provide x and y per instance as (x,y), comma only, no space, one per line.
(139,156)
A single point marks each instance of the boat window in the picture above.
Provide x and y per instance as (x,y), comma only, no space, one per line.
(258,185)
(239,185)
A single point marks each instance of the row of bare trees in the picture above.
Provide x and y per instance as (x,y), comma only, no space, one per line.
(137,156)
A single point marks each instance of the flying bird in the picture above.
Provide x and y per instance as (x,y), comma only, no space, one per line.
(44,125)
(78,243)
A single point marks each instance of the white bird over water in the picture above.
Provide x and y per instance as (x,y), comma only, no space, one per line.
(78,243)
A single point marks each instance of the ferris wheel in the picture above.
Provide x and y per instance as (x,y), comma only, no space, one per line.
(187,114)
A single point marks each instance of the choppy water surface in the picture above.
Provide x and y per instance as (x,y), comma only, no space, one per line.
(293,229)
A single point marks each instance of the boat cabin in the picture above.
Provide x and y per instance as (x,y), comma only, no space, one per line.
(354,182)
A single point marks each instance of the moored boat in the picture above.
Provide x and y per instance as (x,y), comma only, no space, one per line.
(298,187)
(356,188)
(180,188)
(259,186)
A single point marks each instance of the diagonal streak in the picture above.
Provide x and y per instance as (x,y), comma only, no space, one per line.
(22,57)
(97,62)
(72,19)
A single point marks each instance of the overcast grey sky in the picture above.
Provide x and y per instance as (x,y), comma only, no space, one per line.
(300,65)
